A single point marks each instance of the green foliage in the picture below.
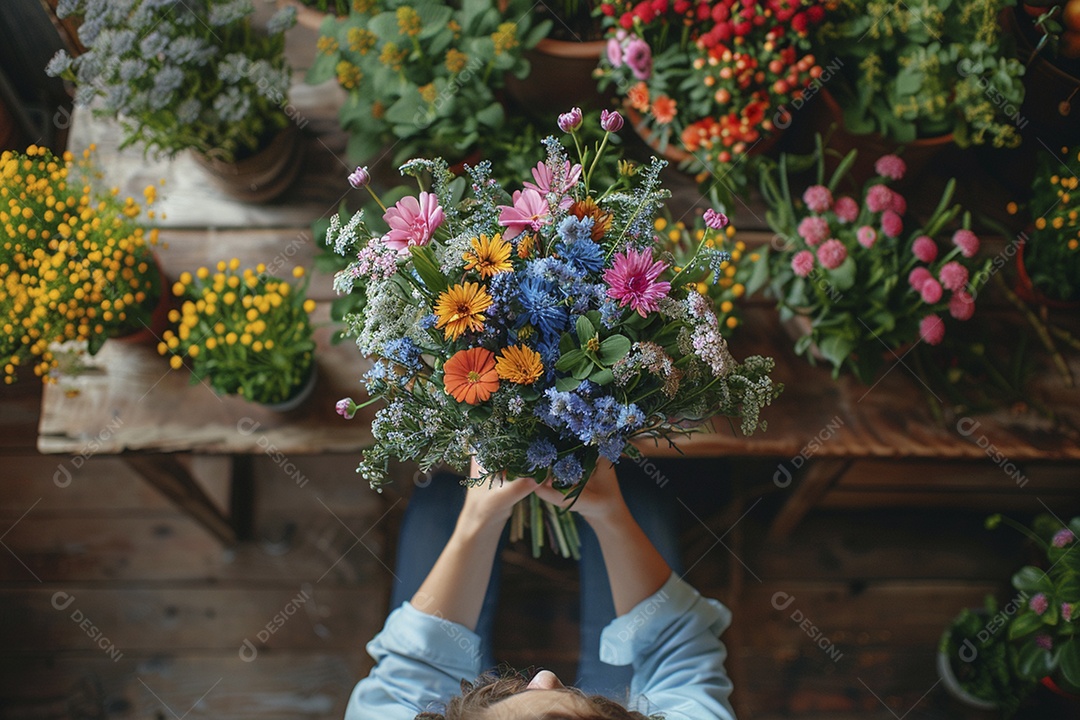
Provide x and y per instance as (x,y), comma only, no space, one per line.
(1052,253)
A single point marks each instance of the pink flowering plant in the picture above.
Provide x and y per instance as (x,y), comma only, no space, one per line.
(539,328)
(869,280)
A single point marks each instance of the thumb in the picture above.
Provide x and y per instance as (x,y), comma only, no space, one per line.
(549,494)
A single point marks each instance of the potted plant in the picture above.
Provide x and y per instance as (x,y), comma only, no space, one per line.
(312,13)
(923,75)
(76,260)
(423,77)
(855,274)
(704,82)
(246,333)
(192,76)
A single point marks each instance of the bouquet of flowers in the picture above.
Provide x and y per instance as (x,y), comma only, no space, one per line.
(249,333)
(77,264)
(866,286)
(538,331)
(710,76)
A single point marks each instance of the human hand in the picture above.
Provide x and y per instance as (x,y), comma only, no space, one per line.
(600,502)
(491,506)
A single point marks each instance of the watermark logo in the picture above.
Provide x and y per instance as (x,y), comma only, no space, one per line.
(62,477)
(62,601)
(248,651)
(782,601)
(968,427)
(249,426)
(782,476)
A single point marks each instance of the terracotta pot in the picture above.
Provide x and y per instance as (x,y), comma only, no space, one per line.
(262,176)
(1025,289)
(560,77)
(306,16)
(674,152)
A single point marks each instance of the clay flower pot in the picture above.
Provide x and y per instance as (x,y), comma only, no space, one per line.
(260,177)
(1025,289)
(560,77)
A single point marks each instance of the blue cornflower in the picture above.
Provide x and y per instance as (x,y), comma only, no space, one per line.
(583,254)
(631,417)
(573,230)
(541,454)
(560,402)
(567,471)
(541,307)
(404,352)
(607,414)
(610,312)
(613,447)
(428,321)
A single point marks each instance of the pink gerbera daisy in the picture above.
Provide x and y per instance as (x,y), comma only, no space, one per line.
(547,182)
(632,280)
(413,222)
(529,212)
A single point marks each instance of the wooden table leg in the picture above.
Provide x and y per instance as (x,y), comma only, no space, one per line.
(173,481)
(820,476)
(242,500)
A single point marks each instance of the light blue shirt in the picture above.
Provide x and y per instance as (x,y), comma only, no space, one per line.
(670,638)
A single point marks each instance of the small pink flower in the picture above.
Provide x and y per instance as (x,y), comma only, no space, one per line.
(931,291)
(817,198)
(802,263)
(924,248)
(413,222)
(890,166)
(359,177)
(1066,612)
(346,408)
(632,280)
(932,330)
(953,275)
(813,229)
(967,241)
(715,220)
(1044,641)
(1062,538)
(1039,604)
(917,277)
(611,121)
(846,209)
(570,121)
(831,254)
(961,305)
(879,198)
(899,204)
(891,224)
(614,52)
(866,236)
(546,182)
(530,211)
(638,56)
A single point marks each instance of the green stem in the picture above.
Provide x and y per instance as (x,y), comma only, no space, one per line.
(599,152)
(375,197)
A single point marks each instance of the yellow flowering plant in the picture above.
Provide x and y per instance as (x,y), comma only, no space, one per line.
(424,74)
(245,332)
(76,259)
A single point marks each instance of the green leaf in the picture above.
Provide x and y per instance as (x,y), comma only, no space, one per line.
(603,377)
(843,277)
(570,359)
(614,349)
(836,348)
(566,384)
(1023,625)
(1069,661)
(427,267)
(492,116)
(582,371)
(1032,580)
(1032,661)
(585,330)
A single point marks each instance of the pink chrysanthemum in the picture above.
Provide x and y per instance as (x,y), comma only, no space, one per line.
(529,212)
(967,241)
(891,223)
(932,330)
(817,198)
(917,277)
(1039,604)
(802,263)
(953,275)
(632,280)
(831,254)
(879,198)
(890,166)
(898,204)
(1062,538)
(614,52)
(866,236)
(924,248)
(961,305)
(546,182)
(846,209)
(931,291)
(413,222)
(814,230)
(638,56)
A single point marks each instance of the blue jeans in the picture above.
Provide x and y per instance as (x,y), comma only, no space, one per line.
(429,521)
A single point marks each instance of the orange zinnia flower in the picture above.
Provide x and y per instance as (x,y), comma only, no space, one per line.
(663,110)
(638,96)
(470,376)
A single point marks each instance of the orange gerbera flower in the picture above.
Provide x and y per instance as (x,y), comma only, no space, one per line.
(663,110)
(470,376)
(461,308)
(638,96)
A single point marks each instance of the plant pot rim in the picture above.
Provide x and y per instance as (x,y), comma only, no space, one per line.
(302,393)
(1028,291)
(952,684)
(838,116)
(579,49)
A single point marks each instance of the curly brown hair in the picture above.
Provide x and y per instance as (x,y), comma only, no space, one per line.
(490,688)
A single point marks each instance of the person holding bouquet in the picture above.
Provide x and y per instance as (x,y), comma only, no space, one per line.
(650,644)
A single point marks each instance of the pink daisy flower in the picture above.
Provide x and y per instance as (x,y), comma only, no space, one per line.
(932,330)
(917,277)
(890,166)
(924,248)
(931,291)
(817,198)
(529,212)
(632,280)
(814,230)
(866,236)
(967,241)
(879,198)
(802,263)
(413,222)
(831,254)
(961,305)
(891,224)
(546,182)
(846,209)
(1039,604)
(953,275)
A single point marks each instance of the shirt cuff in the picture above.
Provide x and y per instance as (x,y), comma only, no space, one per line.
(438,641)
(630,636)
